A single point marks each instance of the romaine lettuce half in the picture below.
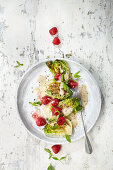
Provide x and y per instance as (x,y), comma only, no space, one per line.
(61,130)
(58,66)
(71,105)
(58,90)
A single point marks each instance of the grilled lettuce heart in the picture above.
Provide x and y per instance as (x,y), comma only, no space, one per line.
(58,90)
(58,66)
(69,106)
(61,130)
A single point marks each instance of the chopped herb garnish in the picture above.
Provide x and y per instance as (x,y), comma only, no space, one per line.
(50,156)
(55,158)
(49,92)
(66,81)
(48,151)
(66,88)
(64,70)
(18,64)
(56,110)
(50,167)
(62,158)
(68,138)
(59,159)
(62,77)
(52,120)
(79,108)
(35,103)
(76,75)
(70,75)
(54,127)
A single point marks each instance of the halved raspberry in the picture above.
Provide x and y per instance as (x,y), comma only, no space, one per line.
(53,31)
(57,76)
(55,110)
(56,148)
(54,102)
(45,100)
(35,116)
(72,84)
(40,121)
(56,41)
(61,120)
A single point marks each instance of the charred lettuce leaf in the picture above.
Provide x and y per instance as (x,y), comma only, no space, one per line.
(71,105)
(60,130)
(58,90)
(58,66)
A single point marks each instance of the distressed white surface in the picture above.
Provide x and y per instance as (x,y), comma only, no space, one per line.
(86,31)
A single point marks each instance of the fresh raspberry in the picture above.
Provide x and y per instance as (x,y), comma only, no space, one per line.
(72,84)
(40,121)
(61,120)
(55,110)
(55,102)
(56,148)
(45,100)
(57,76)
(35,115)
(53,31)
(56,41)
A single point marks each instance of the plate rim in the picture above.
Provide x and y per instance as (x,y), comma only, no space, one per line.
(67,60)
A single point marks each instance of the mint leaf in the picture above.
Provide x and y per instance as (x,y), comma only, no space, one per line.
(62,77)
(62,158)
(68,138)
(70,75)
(76,75)
(35,103)
(64,70)
(18,64)
(78,108)
(54,127)
(56,110)
(50,167)
(52,119)
(55,158)
(65,87)
(50,156)
(47,150)
(49,92)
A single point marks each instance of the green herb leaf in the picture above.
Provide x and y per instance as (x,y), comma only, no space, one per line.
(66,88)
(78,108)
(55,158)
(62,77)
(50,167)
(68,138)
(50,156)
(35,103)
(62,158)
(64,70)
(56,110)
(52,119)
(70,75)
(18,64)
(76,103)
(76,75)
(49,92)
(47,150)
(66,81)
(54,127)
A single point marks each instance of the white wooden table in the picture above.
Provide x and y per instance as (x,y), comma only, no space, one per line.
(86,32)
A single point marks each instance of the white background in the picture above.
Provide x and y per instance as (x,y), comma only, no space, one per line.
(86,32)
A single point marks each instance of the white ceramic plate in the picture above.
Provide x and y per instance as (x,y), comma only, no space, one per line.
(24,95)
